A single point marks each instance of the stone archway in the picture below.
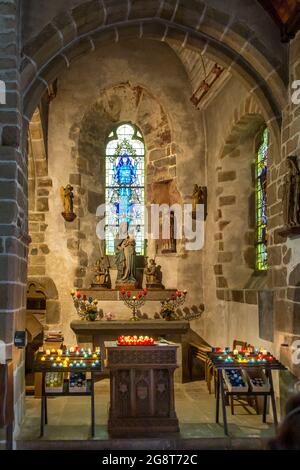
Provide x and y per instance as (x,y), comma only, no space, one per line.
(93,24)
(124,102)
(235,229)
(62,41)
(39,186)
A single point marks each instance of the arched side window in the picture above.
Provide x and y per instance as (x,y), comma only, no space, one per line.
(125,185)
(261,202)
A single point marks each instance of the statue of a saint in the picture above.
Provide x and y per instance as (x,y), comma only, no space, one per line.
(169,245)
(199,197)
(125,262)
(153,277)
(67,197)
(102,278)
(291,198)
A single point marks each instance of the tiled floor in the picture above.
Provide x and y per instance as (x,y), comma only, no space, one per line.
(69,417)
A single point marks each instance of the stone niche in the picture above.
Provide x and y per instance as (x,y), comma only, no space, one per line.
(165,192)
(42,301)
(92,99)
(125,102)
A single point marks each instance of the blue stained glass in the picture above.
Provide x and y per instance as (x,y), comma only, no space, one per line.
(125,185)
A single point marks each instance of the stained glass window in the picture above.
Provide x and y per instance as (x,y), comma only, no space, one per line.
(261,203)
(125,185)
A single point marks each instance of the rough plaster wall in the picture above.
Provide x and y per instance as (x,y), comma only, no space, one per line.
(222,322)
(144,63)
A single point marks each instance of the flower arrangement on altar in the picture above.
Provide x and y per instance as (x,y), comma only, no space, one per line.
(134,301)
(169,305)
(86,307)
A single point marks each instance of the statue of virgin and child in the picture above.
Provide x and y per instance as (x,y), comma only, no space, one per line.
(125,261)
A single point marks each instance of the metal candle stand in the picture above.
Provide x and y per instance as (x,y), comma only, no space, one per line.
(222,393)
(84,306)
(47,366)
(134,303)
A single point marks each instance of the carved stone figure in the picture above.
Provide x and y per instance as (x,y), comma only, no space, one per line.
(169,244)
(102,277)
(291,197)
(199,197)
(153,275)
(67,197)
(126,262)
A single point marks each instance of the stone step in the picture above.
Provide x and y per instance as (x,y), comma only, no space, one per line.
(219,443)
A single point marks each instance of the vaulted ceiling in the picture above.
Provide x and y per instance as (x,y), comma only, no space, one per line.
(207,76)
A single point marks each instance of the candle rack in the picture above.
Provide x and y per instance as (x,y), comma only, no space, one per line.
(59,361)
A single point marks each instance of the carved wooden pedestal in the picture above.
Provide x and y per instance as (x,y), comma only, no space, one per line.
(141,389)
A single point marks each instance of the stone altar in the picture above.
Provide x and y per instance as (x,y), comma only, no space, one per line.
(141,389)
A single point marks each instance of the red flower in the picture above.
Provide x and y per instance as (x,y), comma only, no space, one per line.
(78,295)
(128,294)
(123,291)
(140,294)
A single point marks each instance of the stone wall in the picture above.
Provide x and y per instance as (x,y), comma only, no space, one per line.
(285,252)
(232,287)
(13,200)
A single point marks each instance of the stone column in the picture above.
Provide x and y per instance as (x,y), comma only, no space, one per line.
(13,199)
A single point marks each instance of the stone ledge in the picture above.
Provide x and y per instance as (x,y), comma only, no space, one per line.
(115,327)
(115,295)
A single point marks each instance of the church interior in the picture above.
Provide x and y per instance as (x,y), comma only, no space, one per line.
(115,109)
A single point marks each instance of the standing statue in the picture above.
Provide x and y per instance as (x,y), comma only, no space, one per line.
(126,262)
(67,197)
(199,197)
(291,197)
(153,276)
(169,244)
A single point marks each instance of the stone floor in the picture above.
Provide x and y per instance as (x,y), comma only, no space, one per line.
(69,419)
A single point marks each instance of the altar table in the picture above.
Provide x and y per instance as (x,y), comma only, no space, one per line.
(141,389)
(97,332)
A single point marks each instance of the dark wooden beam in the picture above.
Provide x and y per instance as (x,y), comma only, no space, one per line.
(270,8)
(293,24)
(286,18)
